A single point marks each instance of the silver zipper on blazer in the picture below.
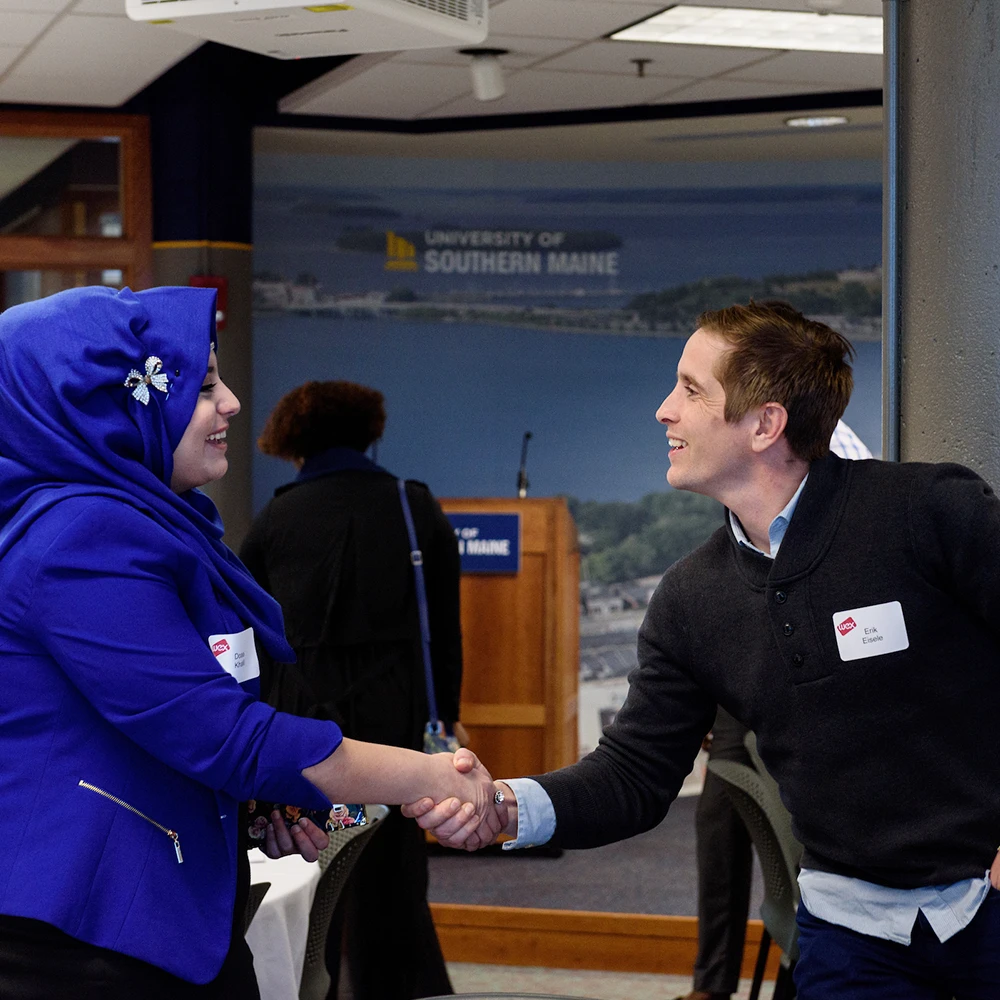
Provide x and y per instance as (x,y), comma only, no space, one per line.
(172,834)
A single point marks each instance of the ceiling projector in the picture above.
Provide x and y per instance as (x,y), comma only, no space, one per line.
(291,29)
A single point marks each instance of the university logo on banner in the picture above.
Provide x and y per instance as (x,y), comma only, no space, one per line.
(400,254)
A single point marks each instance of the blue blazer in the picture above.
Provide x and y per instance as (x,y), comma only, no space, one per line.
(122,737)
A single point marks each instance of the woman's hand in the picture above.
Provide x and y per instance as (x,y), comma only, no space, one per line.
(457,825)
(467,799)
(304,838)
(371,772)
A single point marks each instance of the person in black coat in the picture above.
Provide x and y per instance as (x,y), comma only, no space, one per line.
(332,548)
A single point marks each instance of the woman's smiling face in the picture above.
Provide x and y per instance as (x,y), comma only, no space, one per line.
(200,457)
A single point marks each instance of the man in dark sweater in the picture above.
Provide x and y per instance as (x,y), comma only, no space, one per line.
(849,613)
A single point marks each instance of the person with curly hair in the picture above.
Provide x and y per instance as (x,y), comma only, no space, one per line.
(332,548)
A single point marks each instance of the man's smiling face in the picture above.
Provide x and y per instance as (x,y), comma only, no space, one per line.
(707,454)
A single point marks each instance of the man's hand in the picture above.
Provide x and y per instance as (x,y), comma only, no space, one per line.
(456,824)
(995,871)
(471,816)
(304,838)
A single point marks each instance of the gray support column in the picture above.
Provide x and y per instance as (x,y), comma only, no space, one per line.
(948,231)
(233,495)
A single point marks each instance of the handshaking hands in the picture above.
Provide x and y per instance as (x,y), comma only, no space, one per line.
(458,795)
(460,822)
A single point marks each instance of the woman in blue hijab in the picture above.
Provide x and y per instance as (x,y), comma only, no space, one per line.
(130,725)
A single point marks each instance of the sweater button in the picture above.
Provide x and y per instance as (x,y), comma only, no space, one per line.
(789,628)
(780,596)
(797,660)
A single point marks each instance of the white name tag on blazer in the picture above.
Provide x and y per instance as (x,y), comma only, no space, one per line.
(871,631)
(236,654)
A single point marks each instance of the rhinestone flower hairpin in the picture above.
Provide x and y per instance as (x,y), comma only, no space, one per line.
(139,383)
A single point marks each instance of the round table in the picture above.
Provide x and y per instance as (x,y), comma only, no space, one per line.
(277,934)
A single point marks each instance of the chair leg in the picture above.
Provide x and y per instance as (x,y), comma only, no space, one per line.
(792,992)
(784,985)
(758,972)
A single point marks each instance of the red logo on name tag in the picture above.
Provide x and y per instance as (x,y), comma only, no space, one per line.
(847,625)
(220,647)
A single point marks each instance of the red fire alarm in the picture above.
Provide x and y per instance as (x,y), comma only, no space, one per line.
(221,285)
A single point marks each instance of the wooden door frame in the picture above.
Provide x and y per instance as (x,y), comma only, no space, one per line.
(132,252)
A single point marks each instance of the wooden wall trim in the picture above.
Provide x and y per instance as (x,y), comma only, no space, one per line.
(519,715)
(201,245)
(578,939)
(137,199)
(61,252)
(68,124)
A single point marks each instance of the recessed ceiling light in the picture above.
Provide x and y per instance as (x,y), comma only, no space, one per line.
(686,24)
(816,121)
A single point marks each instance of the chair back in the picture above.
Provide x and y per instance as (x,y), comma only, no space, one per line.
(750,742)
(755,798)
(336,863)
(257,892)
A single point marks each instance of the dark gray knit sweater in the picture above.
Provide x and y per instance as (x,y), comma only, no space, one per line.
(890,764)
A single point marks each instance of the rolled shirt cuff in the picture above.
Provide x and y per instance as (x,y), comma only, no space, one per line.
(536,816)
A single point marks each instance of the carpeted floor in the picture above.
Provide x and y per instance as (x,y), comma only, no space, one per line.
(652,873)
(578,983)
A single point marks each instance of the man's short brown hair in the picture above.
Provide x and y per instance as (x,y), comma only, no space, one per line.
(321,415)
(780,356)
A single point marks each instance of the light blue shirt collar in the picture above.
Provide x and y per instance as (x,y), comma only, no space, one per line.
(777,529)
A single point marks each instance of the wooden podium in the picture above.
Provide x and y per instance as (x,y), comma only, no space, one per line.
(520,643)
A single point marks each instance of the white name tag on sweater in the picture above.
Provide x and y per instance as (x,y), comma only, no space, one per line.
(871,631)
(236,654)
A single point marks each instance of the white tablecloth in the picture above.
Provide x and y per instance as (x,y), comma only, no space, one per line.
(277,935)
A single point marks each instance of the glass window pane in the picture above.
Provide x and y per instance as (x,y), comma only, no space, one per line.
(26,286)
(60,187)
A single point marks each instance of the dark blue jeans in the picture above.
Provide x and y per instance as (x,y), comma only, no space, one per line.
(839,964)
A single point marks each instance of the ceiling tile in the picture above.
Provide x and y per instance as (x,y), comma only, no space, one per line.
(391,90)
(522,51)
(34,6)
(22,28)
(671,60)
(537,90)
(725,89)
(852,71)
(8,53)
(113,7)
(870,7)
(93,60)
(558,19)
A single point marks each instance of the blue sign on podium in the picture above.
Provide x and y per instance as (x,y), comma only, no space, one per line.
(488,543)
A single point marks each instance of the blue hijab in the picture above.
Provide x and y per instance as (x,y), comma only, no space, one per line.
(96,390)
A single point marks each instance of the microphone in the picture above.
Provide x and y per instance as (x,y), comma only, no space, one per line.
(522,474)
